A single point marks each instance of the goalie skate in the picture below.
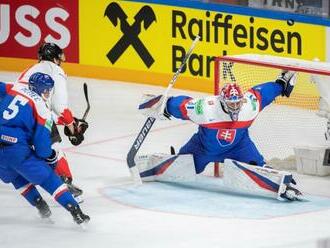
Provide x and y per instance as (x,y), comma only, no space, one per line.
(292,194)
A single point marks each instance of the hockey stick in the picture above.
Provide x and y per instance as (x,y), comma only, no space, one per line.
(151,120)
(87,101)
(82,128)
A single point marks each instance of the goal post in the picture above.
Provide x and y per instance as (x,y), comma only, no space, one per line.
(288,122)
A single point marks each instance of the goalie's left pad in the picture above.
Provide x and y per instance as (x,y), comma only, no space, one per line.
(165,167)
(152,105)
(259,181)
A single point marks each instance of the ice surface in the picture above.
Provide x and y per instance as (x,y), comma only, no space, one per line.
(155,214)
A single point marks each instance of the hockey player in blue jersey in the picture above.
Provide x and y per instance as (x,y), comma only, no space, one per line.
(223,123)
(27,153)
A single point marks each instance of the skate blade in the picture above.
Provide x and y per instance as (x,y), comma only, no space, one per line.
(84,225)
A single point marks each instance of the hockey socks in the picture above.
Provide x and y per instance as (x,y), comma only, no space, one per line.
(27,190)
(55,186)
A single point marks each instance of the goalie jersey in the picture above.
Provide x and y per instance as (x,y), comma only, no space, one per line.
(217,134)
(25,119)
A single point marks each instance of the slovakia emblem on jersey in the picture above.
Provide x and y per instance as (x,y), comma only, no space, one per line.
(226,136)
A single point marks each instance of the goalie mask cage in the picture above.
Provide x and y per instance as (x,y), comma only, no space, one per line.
(287,122)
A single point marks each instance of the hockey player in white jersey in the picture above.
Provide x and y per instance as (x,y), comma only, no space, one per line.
(222,136)
(50,57)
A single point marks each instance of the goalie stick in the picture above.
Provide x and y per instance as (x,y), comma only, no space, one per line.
(151,120)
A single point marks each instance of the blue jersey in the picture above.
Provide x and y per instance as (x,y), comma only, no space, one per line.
(25,119)
(217,134)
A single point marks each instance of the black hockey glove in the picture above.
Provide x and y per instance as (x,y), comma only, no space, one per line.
(80,127)
(287,79)
(75,138)
(52,159)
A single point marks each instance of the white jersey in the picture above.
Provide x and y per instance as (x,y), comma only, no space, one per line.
(59,96)
(207,112)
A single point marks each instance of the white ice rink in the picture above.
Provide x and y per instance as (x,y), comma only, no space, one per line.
(155,214)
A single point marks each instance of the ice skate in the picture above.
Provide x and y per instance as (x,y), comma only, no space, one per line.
(73,189)
(78,216)
(43,208)
(292,194)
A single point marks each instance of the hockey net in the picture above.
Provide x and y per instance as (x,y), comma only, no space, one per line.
(288,122)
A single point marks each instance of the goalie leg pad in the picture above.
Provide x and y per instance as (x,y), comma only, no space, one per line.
(168,168)
(255,180)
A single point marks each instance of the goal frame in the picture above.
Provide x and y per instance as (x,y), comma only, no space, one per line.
(284,63)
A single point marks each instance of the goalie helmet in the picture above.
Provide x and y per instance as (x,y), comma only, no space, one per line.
(49,52)
(231,99)
(41,84)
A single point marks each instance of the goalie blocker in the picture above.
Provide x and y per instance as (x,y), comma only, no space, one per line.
(238,177)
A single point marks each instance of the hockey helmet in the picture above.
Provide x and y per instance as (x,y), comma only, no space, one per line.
(231,98)
(50,51)
(41,84)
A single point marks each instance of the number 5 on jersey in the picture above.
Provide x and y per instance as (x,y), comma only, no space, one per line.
(14,107)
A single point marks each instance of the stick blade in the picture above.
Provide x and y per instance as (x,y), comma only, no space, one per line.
(86,91)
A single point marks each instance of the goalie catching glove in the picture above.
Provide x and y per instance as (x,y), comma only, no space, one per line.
(80,127)
(152,106)
(287,79)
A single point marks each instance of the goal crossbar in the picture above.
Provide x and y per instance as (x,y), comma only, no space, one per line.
(299,65)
